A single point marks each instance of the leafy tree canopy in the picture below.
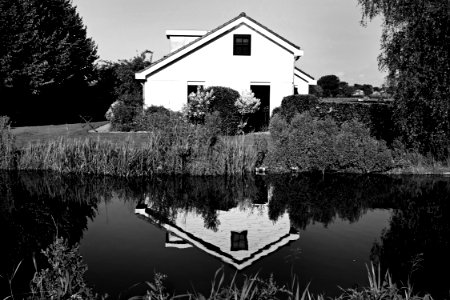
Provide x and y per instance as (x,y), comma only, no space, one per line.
(46,62)
(414,46)
(44,44)
(329,84)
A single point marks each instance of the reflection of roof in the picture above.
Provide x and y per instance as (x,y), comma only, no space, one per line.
(238,259)
(214,34)
(173,241)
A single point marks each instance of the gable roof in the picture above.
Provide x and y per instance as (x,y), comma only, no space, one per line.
(214,34)
(304,76)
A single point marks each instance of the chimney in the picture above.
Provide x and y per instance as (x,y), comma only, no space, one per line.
(180,38)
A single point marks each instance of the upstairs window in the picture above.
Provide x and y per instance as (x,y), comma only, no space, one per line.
(242,44)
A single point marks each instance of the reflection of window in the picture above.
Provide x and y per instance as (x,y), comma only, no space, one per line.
(239,241)
(242,44)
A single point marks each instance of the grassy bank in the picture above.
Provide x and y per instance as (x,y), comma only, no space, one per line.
(185,149)
(70,148)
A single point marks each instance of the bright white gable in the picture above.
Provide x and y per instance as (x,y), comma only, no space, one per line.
(208,59)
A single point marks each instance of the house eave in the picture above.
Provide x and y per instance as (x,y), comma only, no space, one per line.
(305,76)
(240,20)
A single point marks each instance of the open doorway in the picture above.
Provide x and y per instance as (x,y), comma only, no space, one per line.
(260,120)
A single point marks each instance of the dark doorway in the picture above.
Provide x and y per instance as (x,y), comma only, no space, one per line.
(260,120)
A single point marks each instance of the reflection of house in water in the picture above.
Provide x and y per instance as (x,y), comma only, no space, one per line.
(243,235)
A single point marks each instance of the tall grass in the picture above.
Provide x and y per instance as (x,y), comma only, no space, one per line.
(173,146)
(156,156)
(7,148)
(379,288)
(63,278)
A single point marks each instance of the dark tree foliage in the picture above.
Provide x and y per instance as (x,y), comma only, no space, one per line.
(415,43)
(368,89)
(46,60)
(329,84)
(345,90)
(121,86)
(128,89)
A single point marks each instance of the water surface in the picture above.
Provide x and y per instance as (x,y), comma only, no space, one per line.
(322,230)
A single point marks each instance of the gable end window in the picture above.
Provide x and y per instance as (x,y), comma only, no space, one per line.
(242,44)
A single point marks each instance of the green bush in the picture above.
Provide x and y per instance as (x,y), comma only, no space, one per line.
(123,117)
(378,117)
(291,105)
(276,110)
(64,277)
(313,144)
(357,152)
(224,103)
(154,118)
(198,105)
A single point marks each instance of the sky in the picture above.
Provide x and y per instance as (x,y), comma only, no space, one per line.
(329,31)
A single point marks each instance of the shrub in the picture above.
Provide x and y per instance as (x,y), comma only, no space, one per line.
(310,143)
(198,105)
(224,103)
(154,118)
(313,144)
(291,105)
(276,110)
(378,117)
(63,279)
(153,109)
(123,116)
(247,104)
(357,152)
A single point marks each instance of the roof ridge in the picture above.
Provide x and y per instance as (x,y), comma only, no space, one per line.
(242,14)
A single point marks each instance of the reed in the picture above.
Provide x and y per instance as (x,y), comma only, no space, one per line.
(379,288)
(182,154)
(7,147)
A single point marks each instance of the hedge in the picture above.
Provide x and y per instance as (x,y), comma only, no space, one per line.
(312,144)
(376,116)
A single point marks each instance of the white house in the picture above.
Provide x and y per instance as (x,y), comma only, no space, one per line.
(244,234)
(241,54)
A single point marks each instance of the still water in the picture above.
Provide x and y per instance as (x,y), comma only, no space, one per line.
(322,230)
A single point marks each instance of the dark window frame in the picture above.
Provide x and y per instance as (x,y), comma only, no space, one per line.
(242,44)
(239,241)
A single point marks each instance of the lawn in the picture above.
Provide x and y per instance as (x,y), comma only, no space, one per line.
(39,134)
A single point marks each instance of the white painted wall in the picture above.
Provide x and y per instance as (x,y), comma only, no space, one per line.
(215,64)
(301,85)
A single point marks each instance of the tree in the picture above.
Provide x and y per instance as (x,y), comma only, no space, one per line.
(126,91)
(330,85)
(315,90)
(367,89)
(44,54)
(345,90)
(415,53)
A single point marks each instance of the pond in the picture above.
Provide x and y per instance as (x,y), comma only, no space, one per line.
(323,230)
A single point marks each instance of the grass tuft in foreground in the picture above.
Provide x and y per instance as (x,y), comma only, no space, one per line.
(63,278)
